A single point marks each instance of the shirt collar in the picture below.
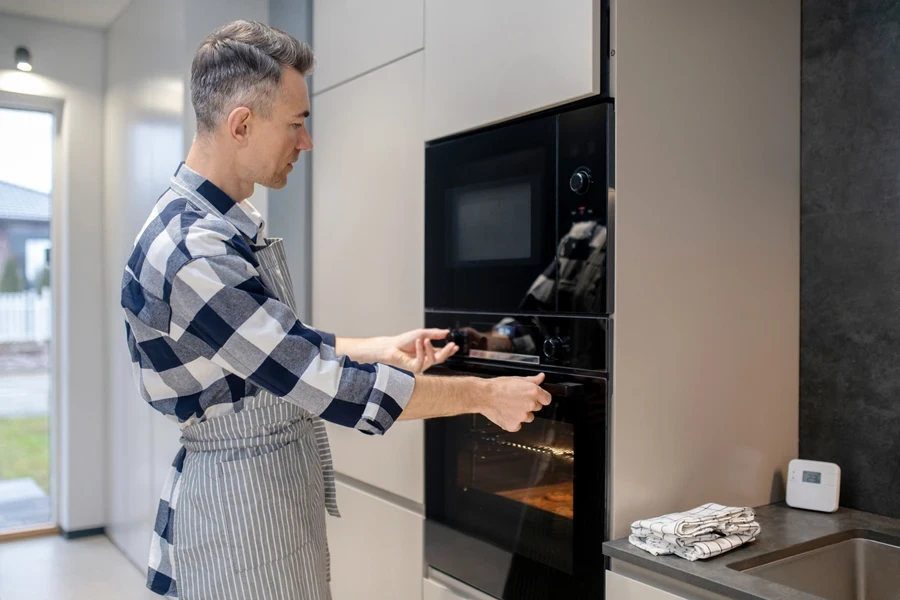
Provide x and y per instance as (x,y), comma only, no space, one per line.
(242,215)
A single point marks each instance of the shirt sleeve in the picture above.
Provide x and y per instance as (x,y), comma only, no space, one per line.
(221,301)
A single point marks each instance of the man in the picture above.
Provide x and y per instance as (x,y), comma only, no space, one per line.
(216,345)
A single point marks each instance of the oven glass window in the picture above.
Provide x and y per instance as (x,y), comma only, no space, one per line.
(517,489)
(521,495)
(491,222)
(533,467)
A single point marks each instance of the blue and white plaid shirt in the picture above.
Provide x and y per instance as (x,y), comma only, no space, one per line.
(205,334)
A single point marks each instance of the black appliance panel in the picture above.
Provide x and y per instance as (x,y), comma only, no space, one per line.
(489,216)
(521,515)
(518,217)
(531,341)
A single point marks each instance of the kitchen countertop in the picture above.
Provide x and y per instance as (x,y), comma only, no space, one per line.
(782,527)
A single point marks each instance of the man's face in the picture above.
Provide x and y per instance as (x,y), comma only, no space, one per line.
(276,142)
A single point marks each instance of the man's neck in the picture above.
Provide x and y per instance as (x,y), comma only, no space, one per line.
(218,169)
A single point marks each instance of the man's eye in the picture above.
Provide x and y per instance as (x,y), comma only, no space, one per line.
(297,125)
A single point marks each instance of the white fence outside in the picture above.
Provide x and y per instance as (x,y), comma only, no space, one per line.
(25,316)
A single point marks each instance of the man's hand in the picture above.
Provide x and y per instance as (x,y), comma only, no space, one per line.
(512,401)
(414,351)
(507,401)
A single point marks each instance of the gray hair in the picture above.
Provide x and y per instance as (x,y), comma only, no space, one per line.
(239,64)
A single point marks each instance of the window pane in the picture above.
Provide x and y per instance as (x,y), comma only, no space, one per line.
(26,184)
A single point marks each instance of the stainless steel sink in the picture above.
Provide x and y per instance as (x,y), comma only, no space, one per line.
(853,565)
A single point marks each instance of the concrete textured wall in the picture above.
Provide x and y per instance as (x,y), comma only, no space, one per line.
(850,247)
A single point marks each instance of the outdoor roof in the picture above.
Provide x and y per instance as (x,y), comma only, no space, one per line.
(22,204)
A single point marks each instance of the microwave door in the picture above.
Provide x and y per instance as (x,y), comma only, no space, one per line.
(490,220)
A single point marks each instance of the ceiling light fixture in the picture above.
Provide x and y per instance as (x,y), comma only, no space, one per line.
(23,59)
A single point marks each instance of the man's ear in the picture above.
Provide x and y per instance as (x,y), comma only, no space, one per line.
(239,123)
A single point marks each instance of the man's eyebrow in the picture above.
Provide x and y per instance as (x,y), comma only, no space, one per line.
(302,115)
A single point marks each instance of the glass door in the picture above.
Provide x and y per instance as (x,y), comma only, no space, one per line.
(26,188)
(534,498)
(490,218)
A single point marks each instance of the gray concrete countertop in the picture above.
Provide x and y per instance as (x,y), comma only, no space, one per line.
(782,528)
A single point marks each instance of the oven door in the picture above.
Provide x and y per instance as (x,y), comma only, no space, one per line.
(490,218)
(521,515)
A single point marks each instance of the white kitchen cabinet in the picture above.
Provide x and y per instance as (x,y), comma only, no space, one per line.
(627,581)
(376,548)
(489,61)
(368,221)
(368,203)
(392,462)
(351,37)
(619,587)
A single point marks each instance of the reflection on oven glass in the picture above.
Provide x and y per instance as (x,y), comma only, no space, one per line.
(533,466)
(576,279)
(507,335)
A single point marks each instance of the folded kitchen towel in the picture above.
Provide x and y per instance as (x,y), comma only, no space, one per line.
(703,532)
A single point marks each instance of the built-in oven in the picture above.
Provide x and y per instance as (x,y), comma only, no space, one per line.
(518,216)
(522,515)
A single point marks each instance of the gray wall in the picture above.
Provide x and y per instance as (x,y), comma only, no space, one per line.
(850,248)
(289,208)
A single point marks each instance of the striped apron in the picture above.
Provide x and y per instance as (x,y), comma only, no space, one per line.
(250,523)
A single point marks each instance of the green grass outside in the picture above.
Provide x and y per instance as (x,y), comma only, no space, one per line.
(25,449)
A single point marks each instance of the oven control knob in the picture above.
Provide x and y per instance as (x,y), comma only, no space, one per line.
(580,181)
(457,337)
(556,347)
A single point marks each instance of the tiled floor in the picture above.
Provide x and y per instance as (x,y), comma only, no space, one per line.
(50,568)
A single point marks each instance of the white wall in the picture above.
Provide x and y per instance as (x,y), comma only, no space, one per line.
(149,128)
(69,65)
(144,144)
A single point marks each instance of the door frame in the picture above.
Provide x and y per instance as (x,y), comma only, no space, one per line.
(58,362)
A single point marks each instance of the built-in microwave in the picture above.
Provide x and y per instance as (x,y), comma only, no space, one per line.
(519,216)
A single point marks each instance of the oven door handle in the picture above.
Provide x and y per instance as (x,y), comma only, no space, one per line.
(564,390)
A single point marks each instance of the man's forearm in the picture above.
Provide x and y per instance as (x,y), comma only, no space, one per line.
(362,350)
(445,397)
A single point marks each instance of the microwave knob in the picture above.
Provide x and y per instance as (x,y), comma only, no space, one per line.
(556,347)
(580,182)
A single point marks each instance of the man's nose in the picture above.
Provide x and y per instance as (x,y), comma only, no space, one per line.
(305,141)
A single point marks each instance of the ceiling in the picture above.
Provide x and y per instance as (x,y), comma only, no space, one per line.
(90,13)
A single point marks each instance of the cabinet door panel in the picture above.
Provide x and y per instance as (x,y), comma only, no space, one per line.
(376,549)
(368,243)
(489,61)
(351,37)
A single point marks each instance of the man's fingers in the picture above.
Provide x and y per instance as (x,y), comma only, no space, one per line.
(544,397)
(446,352)
(429,353)
(435,334)
(420,356)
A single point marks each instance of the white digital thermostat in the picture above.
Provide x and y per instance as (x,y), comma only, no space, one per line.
(813,485)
